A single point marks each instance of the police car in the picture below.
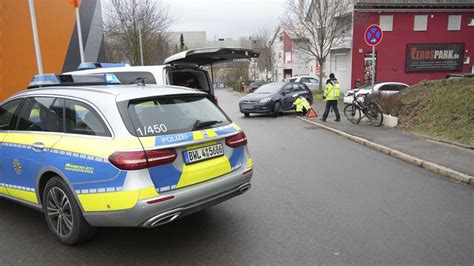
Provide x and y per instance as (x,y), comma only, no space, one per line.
(122,156)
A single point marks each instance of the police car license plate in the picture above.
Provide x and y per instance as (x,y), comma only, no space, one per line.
(204,153)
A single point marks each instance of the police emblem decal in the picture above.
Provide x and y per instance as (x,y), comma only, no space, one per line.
(17,167)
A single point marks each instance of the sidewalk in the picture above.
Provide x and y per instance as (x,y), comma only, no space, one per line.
(450,156)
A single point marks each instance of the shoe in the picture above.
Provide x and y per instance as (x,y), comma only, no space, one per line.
(338,120)
(322,120)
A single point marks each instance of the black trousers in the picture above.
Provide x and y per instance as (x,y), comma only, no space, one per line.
(331,104)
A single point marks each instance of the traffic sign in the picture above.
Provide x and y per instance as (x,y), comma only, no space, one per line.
(373,35)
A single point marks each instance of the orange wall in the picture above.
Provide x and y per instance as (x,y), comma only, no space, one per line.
(55,20)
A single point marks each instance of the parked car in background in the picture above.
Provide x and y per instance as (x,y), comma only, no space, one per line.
(273,98)
(257,84)
(466,75)
(384,88)
(182,69)
(310,81)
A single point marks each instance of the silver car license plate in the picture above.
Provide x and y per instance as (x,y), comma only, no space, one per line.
(204,153)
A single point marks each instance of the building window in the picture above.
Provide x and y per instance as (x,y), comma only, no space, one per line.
(470,22)
(386,22)
(454,22)
(421,23)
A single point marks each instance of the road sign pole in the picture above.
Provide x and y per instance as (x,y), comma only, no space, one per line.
(34,28)
(373,68)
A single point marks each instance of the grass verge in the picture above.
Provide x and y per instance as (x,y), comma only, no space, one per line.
(442,109)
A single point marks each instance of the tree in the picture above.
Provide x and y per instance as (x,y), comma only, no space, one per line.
(122,21)
(181,42)
(260,42)
(316,26)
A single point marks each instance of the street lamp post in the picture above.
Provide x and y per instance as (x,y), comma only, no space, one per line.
(140,39)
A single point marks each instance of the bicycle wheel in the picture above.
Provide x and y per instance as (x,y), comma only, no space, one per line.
(374,114)
(352,113)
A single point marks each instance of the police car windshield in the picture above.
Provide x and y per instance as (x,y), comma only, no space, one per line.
(269,88)
(174,114)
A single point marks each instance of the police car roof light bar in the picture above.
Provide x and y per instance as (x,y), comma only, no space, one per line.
(55,80)
(92,65)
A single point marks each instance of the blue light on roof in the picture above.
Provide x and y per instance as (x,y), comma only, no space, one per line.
(111,79)
(44,79)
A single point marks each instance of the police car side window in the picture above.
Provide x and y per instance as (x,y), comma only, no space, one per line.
(34,113)
(82,119)
(55,119)
(7,114)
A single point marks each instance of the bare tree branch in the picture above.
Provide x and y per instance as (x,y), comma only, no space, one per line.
(122,21)
(316,26)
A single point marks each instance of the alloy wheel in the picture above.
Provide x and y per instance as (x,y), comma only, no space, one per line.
(59,211)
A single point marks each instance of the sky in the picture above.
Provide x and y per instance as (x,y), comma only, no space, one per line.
(225,18)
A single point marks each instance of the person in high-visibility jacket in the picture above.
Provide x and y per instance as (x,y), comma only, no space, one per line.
(301,105)
(331,95)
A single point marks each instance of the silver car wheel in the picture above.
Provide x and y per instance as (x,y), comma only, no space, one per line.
(59,211)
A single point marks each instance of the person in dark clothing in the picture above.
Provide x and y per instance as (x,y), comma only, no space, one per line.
(331,95)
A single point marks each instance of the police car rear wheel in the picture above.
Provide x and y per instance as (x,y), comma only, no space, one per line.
(63,215)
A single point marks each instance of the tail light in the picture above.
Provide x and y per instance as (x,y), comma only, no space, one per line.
(236,140)
(136,160)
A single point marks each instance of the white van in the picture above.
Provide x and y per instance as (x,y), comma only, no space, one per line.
(182,69)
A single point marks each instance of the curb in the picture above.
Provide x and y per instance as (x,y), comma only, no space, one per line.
(427,165)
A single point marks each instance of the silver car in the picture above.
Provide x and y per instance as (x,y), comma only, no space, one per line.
(126,156)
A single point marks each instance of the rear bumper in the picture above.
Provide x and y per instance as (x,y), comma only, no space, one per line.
(186,201)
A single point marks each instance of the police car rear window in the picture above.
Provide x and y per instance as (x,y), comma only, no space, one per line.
(174,114)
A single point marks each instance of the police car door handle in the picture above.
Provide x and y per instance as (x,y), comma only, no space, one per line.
(38,146)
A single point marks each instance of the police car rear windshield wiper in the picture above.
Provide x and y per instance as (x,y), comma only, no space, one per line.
(202,124)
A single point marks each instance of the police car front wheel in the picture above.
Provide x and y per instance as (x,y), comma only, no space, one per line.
(63,215)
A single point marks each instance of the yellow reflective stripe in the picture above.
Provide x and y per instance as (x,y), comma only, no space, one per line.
(236,127)
(100,147)
(3,190)
(197,135)
(111,201)
(203,171)
(249,163)
(22,194)
(28,138)
(147,193)
(115,201)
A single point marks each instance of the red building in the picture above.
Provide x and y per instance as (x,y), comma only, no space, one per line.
(422,40)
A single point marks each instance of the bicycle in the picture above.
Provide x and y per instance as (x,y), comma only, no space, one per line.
(360,108)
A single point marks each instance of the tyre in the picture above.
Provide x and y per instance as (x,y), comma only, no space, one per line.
(374,114)
(276,109)
(352,113)
(246,114)
(63,215)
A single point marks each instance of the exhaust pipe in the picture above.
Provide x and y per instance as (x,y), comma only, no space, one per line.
(244,188)
(162,219)
(165,220)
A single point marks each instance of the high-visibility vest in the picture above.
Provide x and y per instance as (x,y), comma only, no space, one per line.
(332,91)
(301,103)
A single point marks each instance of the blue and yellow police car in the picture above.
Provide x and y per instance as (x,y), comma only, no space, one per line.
(124,155)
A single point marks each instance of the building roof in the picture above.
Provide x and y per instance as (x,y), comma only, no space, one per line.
(445,4)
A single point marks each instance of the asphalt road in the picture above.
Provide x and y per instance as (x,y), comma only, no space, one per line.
(316,198)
